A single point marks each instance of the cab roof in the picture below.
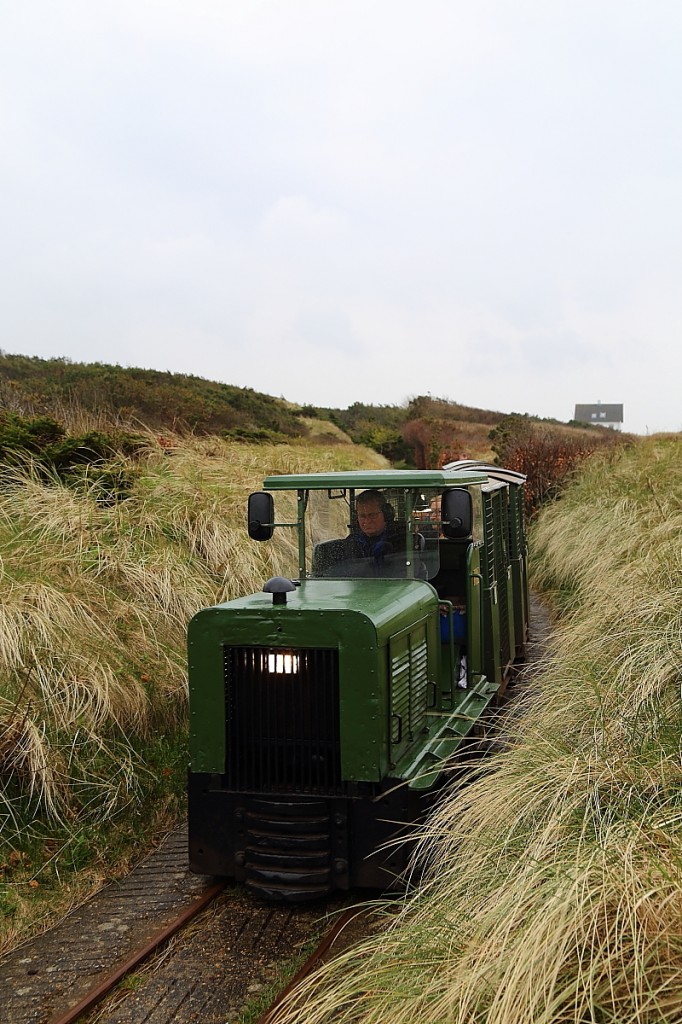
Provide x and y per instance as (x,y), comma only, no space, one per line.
(417,478)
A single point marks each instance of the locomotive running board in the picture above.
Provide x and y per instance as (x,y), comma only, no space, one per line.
(452,728)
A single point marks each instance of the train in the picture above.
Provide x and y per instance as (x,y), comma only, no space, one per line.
(326,708)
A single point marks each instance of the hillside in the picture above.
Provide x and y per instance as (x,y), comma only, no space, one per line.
(160,401)
(425,432)
(100,575)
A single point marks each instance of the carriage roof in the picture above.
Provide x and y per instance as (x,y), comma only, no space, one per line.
(381,478)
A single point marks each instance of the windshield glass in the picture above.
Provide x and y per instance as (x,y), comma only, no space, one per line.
(372,533)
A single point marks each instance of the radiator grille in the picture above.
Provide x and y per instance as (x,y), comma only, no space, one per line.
(282,726)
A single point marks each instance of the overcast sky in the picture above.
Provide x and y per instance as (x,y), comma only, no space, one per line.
(351,200)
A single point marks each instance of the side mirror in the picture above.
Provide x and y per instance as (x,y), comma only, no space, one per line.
(261,515)
(456,512)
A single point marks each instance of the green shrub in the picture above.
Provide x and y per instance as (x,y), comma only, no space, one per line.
(254,435)
(167,401)
(94,461)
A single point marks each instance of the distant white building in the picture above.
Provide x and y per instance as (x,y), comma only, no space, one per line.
(605,415)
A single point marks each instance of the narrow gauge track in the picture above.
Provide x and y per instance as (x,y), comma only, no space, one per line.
(142,1012)
(233,953)
(198,967)
(109,982)
(216,948)
(324,946)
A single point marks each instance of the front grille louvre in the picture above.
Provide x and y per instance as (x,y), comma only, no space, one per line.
(282,729)
(409,677)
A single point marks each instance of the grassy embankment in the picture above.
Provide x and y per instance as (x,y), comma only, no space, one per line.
(94,604)
(555,889)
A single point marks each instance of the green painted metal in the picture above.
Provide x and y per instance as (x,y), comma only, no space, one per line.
(492,657)
(505,608)
(509,644)
(518,550)
(207,710)
(301,505)
(357,617)
(382,694)
(417,478)
(400,710)
(411,675)
(474,612)
(447,731)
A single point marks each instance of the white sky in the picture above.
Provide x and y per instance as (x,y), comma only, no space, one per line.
(349,201)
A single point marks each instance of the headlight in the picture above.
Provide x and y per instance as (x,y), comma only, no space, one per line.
(283,663)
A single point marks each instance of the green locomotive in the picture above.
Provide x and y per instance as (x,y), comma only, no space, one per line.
(324,708)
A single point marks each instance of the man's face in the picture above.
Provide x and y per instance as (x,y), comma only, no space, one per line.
(371,519)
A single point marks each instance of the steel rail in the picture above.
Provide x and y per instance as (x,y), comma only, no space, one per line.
(107,984)
(322,947)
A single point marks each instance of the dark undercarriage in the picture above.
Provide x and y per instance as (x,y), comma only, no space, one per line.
(296,847)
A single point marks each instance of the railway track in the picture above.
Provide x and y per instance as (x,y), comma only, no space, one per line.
(111,980)
(108,984)
(327,943)
(161,947)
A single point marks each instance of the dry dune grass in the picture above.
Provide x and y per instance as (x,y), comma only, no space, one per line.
(553,890)
(324,431)
(94,605)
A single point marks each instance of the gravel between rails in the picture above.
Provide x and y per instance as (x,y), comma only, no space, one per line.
(227,956)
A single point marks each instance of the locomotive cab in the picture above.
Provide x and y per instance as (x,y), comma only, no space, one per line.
(324,708)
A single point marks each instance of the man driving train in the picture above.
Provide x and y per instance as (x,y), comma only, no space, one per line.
(375,535)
